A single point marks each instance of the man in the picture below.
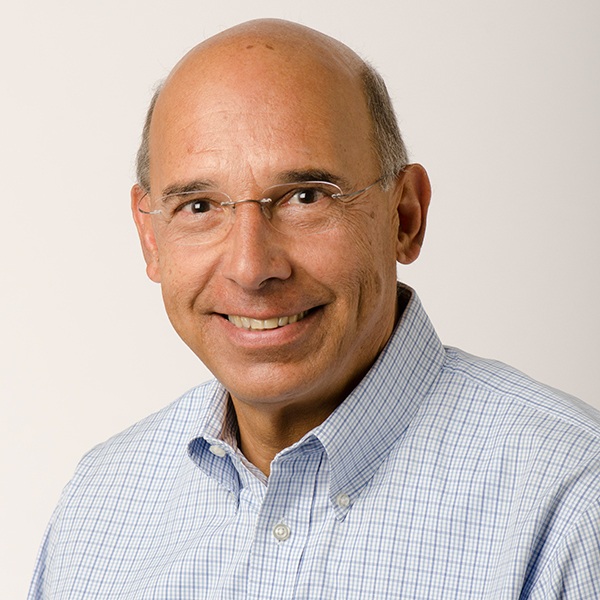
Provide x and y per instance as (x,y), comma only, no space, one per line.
(342,451)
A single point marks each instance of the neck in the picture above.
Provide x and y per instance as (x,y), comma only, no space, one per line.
(266,431)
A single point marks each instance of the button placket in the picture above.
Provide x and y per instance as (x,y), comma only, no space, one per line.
(284,522)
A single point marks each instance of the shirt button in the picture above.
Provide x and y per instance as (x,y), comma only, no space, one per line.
(343,500)
(281,532)
(218,451)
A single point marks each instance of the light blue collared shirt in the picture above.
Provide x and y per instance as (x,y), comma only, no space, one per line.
(441,476)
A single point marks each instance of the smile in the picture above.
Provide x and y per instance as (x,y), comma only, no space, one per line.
(260,324)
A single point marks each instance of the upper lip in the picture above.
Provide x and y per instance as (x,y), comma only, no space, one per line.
(262,317)
(262,324)
(265,313)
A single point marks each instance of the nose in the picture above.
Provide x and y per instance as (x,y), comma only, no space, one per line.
(254,252)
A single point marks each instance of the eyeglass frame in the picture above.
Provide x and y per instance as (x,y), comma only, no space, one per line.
(263,202)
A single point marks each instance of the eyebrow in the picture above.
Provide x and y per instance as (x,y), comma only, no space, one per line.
(190,186)
(292,176)
(313,175)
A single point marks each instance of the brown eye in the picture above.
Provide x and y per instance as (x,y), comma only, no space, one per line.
(306,196)
(197,206)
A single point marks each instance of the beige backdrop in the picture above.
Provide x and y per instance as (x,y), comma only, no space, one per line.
(499,100)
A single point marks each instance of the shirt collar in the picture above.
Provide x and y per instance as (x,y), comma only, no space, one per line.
(207,448)
(360,433)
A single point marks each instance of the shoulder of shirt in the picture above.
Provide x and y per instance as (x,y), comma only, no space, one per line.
(168,429)
(506,384)
(542,443)
(546,445)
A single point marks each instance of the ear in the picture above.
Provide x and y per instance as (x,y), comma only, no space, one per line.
(145,230)
(413,192)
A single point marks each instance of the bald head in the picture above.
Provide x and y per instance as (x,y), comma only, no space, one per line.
(269,63)
(253,41)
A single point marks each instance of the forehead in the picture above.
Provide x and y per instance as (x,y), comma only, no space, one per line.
(260,107)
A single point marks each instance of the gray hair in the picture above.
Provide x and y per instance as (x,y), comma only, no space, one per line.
(142,166)
(385,136)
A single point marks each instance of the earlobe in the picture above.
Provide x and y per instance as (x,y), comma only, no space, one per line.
(413,195)
(143,223)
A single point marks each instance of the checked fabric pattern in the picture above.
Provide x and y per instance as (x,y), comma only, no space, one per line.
(441,476)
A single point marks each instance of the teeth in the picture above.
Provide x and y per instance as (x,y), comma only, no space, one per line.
(271,323)
(260,324)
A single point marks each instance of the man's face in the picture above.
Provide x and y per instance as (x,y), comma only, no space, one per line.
(244,123)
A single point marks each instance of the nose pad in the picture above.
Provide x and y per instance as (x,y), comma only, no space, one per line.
(265,205)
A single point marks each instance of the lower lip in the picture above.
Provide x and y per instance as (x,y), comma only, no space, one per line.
(262,338)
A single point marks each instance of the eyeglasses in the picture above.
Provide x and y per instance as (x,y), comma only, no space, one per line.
(198,217)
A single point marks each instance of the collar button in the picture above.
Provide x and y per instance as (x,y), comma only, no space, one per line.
(343,500)
(217,450)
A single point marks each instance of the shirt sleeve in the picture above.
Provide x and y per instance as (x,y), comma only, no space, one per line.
(40,588)
(573,571)
(42,567)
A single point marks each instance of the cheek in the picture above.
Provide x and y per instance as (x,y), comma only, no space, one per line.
(184,274)
(358,262)
(371,239)
(373,256)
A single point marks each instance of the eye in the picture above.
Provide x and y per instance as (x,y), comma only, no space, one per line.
(308,195)
(196,207)
(190,204)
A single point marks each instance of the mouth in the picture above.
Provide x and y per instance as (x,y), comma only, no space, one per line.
(261,324)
